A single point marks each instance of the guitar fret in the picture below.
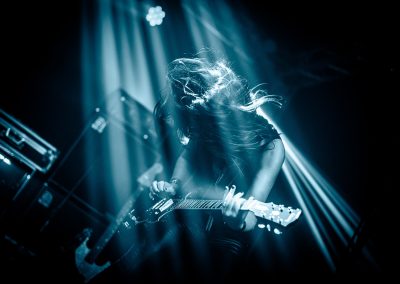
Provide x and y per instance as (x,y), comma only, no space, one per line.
(201,204)
(191,205)
(278,214)
(207,204)
(217,204)
(210,204)
(198,203)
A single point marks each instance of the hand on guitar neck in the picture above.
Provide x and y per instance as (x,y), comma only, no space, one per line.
(268,215)
(234,207)
(235,210)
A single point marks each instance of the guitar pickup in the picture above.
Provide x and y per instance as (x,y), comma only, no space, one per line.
(166,205)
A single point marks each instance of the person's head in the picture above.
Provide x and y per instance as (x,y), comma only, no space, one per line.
(203,94)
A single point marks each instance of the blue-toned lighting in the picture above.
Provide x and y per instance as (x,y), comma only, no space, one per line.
(120,41)
(155,16)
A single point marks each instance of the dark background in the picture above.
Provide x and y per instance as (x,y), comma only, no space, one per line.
(342,123)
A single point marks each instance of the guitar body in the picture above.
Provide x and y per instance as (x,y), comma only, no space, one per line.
(142,231)
(86,269)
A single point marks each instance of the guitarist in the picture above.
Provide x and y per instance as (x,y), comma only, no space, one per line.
(225,142)
(211,112)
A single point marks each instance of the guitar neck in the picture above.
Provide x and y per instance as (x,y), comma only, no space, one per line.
(258,207)
(206,204)
(278,214)
(275,213)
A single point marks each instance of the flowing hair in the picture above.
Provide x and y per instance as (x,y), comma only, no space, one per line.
(213,109)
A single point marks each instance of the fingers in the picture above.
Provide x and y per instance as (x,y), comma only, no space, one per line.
(232,203)
(154,188)
(157,188)
(228,195)
(249,203)
(237,202)
(161,185)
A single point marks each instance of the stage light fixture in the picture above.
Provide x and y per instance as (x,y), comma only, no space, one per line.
(155,16)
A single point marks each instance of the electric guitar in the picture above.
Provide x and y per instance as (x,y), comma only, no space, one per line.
(269,215)
(85,257)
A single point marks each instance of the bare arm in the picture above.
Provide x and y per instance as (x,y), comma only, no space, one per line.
(181,169)
(271,164)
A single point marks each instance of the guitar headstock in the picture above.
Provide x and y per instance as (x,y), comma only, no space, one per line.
(278,214)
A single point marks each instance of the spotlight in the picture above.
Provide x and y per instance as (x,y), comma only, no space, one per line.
(155,16)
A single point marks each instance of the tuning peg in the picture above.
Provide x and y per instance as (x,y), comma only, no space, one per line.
(261,226)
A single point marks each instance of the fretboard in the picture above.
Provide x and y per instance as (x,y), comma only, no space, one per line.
(260,209)
(278,214)
(209,204)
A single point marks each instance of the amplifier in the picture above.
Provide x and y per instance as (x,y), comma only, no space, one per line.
(22,154)
(115,148)
(25,161)
(18,141)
